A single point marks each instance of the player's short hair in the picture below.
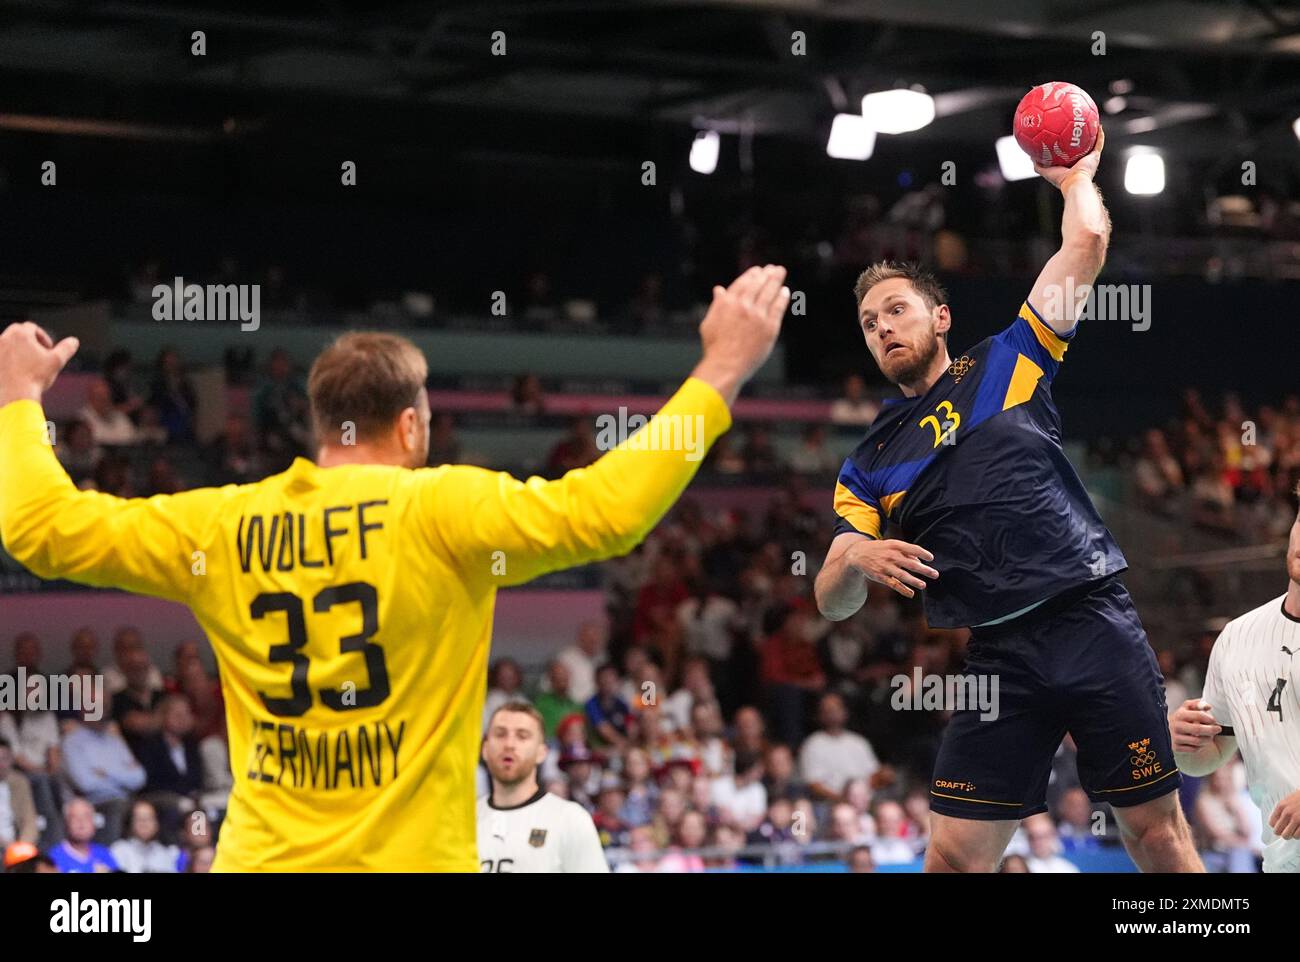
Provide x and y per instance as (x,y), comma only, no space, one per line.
(923,282)
(523,708)
(365,377)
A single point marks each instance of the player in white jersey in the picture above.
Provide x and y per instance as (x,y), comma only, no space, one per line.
(1250,704)
(521,827)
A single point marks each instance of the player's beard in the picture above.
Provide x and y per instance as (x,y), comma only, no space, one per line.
(522,775)
(920,365)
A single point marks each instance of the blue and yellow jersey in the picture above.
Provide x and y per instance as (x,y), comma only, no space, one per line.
(350,609)
(974,472)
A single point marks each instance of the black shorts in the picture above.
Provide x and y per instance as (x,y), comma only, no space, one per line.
(1078,663)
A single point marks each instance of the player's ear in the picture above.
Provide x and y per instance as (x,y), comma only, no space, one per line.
(408,428)
(542,751)
(942,319)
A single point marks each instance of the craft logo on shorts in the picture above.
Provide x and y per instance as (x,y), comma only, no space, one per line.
(1143,760)
(538,838)
(954,786)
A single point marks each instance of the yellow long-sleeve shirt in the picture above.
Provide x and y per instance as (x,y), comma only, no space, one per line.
(350,609)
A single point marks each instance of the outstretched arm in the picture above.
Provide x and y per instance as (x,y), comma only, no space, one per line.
(1066,279)
(145,545)
(512,531)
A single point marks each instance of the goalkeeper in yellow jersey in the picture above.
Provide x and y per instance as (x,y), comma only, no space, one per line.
(349,601)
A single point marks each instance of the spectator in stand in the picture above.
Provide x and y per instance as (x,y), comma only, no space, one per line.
(846,827)
(715,755)
(134,706)
(17,806)
(833,755)
(691,835)
(108,425)
(790,671)
(750,732)
(780,778)
(77,452)
(761,458)
(659,599)
(444,447)
(812,456)
(505,684)
(126,640)
(280,412)
(860,861)
(554,702)
(641,794)
(203,692)
(668,816)
(854,407)
(582,659)
(172,763)
(583,774)
(85,652)
(724,458)
(232,456)
(709,620)
(139,850)
(1224,823)
(696,688)
(777,826)
(1158,476)
(27,653)
(117,374)
(103,771)
(33,738)
(526,396)
(1045,846)
(741,798)
(577,449)
(613,830)
(892,845)
(79,853)
(173,397)
(1014,865)
(1077,827)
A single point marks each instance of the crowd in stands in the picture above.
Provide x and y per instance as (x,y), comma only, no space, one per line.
(1221,469)
(136,778)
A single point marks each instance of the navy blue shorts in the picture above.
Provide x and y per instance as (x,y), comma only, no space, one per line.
(1078,663)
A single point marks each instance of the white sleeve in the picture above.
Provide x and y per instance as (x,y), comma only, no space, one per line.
(1214,692)
(582,851)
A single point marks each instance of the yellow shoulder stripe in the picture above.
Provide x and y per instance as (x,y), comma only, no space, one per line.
(856,511)
(1051,341)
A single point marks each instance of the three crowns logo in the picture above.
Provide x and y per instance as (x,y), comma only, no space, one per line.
(1138,746)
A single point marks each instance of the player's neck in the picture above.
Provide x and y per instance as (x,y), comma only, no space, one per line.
(336,455)
(922,384)
(1291,603)
(511,796)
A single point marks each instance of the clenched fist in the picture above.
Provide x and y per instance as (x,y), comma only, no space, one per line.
(30,361)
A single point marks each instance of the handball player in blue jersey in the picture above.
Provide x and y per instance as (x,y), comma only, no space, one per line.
(999,534)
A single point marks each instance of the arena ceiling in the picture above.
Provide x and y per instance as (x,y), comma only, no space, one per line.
(1205,76)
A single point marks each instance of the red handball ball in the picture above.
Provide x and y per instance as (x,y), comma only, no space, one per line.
(1056,124)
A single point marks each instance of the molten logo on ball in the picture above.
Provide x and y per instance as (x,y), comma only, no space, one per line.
(1056,124)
